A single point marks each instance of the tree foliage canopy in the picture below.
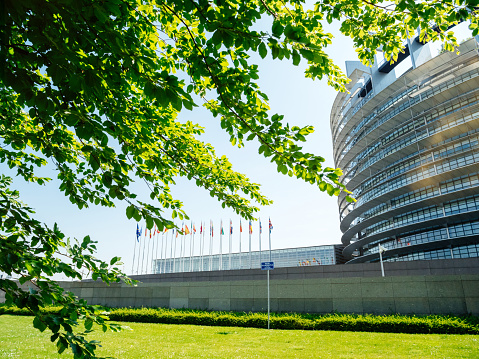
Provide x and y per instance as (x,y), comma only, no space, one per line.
(94,87)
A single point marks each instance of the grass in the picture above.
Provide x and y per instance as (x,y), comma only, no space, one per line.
(18,339)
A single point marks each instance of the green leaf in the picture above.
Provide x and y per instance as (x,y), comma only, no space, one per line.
(296,58)
(39,324)
(262,50)
(277,28)
(130,211)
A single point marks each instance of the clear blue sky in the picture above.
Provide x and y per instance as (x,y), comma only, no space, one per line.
(301,214)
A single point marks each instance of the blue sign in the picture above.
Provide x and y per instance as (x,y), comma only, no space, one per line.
(267,265)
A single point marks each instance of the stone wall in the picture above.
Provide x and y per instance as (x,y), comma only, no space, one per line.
(417,287)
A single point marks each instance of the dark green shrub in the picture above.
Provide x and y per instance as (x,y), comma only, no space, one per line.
(433,324)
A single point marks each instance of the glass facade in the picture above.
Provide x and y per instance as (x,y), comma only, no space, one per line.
(409,151)
(290,257)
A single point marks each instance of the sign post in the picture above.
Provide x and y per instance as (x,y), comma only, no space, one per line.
(267,266)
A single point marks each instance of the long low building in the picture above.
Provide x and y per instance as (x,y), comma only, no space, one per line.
(408,144)
(282,258)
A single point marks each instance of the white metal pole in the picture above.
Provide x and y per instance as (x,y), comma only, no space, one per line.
(153,250)
(171,249)
(134,249)
(192,247)
(241,230)
(183,259)
(174,253)
(269,231)
(381,259)
(221,246)
(230,244)
(147,253)
(211,246)
(202,245)
(143,256)
(259,237)
(268,296)
(249,231)
(161,252)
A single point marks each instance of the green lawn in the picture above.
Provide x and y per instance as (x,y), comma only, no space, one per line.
(18,339)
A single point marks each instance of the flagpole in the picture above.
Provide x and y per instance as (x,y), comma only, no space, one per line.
(211,246)
(259,236)
(231,243)
(152,241)
(157,247)
(171,248)
(250,231)
(134,249)
(152,249)
(174,252)
(160,267)
(241,230)
(192,240)
(139,251)
(202,245)
(147,254)
(143,257)
(221,246)
(181,249)
(165,252)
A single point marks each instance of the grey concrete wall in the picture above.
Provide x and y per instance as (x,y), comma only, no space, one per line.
(418,287)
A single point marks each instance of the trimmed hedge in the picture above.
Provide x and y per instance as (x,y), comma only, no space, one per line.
(433,324)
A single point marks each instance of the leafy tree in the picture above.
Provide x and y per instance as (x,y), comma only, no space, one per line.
(94,88)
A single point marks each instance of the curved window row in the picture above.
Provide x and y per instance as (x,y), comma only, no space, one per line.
(458,230)
(431,116)
(414,159)
(442,162)
(414,137)
(467,204)
(408,239)
(416,216)
(469,251)
(411,101)
(437,119)
(410,177)
(407,198)
(416,175)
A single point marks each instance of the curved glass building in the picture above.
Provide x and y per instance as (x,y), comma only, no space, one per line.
(408,145)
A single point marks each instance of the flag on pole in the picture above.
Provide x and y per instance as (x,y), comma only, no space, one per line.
(176,233)
(231,227)
(194,229)
(270,226)
(187,230)
(260,228)
(201,228)
(138,233)
(211,228)
(222,232)
(146,231)
(241,227)
(250,227)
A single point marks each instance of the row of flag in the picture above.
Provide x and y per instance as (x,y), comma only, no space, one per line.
(145,245)
(192,229)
